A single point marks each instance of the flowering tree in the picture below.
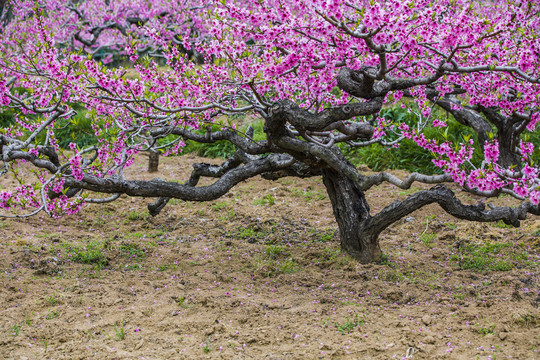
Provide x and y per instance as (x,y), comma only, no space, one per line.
(317,73)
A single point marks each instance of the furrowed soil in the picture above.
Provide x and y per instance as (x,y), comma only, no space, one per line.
(258,274)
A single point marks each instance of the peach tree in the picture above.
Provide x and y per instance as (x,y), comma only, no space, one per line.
(316,73)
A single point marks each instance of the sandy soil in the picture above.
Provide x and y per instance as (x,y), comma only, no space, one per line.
(259,275)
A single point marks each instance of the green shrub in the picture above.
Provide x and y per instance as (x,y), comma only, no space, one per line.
(409,156)
(76,130)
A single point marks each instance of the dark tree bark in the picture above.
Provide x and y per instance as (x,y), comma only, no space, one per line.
(153,161)
(351,211)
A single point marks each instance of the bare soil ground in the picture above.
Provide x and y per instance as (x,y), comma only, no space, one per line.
(258,274)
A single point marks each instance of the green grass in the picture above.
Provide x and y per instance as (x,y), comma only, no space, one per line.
(330,254)
(16,329)
(133,267)
(427,239)
(247,232)
(308,195)
(165,267)
(51,315)
(412,275)
(287,266)
(451,225)
(485,329)
(181,301)
(120,331)
(51,300)
(328,235)
(137,215)
(349,325)
(267,200)
(274,267)
(91,253)
(490,257)
(501,225)
(273,251)
(132,251)
(218,206)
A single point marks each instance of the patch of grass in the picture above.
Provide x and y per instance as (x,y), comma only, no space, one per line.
(386,260)
(175,202)
(52,300)
(525,319)
(427,239)
(135,235)
(451,225)
(91,253)
(137,215)
(51,315)
(272,267)
(489,257)
(408,192)
(330,254)
(323,236)
(181,301)
(501,225)
(27,320)
(132,251)
(247,232)
(309,194)
(485,329)
(133,267)
(228,216)
(220,206)
(206,348)
(166,267)
(288,266)
(412,275)
(349,325)
(16,329)
(120,330)
(328,235)
(267,200)
(273,251)
(392,275)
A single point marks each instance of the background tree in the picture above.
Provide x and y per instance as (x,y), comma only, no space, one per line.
(317,74)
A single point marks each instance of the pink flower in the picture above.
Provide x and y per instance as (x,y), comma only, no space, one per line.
(491,151)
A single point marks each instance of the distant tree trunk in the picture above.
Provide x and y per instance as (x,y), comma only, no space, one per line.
(351,211)
(508,141)
(153,161)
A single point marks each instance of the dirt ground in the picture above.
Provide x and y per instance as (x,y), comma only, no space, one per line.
(258,274)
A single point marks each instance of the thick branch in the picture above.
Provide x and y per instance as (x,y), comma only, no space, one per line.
(451,204)
(160,188)
(289,111)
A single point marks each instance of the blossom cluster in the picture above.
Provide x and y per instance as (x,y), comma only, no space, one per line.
(243,56)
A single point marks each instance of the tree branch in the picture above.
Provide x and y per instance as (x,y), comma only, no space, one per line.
(447,200)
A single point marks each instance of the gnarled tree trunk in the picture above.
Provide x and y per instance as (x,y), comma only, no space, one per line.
(351,211)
